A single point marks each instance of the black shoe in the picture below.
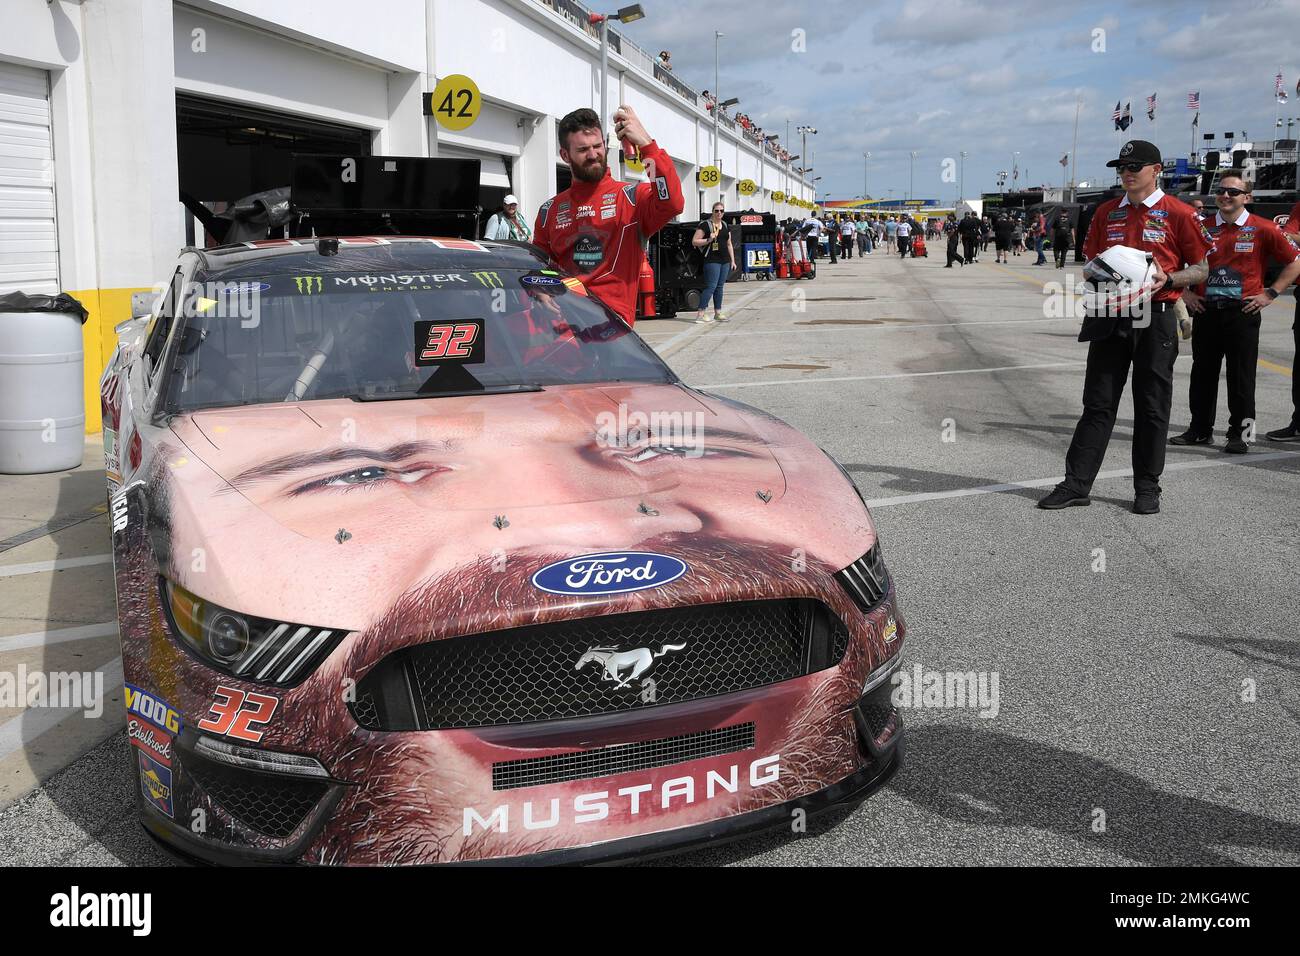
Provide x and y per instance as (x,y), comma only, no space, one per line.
(1190,437)
(1147,503)
(1290,433)
(1236,446)
(1063,497)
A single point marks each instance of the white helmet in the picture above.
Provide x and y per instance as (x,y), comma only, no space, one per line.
(1118,281)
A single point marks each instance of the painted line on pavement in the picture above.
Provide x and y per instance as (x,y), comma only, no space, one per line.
(85,632)
(875,378)
(683,336)
(18,732)
(1053,482)
(887,325)
(61,564)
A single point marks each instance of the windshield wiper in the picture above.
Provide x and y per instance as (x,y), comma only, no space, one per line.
(459,393)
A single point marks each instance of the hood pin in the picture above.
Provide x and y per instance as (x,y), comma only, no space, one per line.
(343,535)
(764,496)
(645,509)
(500,522)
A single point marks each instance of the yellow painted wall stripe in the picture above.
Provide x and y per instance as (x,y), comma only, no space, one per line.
(107,308)
(1274,367)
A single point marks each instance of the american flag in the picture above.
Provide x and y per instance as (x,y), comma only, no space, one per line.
(1278,91)
(1151,107)
(1194,100)
(1117,114)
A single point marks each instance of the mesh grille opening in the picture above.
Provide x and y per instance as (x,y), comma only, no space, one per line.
(599,665)
(621,758)
(271,805)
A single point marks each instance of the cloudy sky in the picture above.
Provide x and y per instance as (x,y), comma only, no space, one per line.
(990,77)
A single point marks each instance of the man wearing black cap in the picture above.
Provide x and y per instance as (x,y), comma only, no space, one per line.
(1147,220)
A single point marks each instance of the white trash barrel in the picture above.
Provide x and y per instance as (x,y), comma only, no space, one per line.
(42,384)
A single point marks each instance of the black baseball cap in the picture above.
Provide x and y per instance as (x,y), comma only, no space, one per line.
(1137,151)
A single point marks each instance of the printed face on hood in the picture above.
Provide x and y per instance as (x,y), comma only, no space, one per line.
(415,497)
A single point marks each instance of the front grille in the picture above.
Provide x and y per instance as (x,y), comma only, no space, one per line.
(866,580)
(533,673)
(266,803)
(621,758)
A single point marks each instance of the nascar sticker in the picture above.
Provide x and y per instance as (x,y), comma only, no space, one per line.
(155,783)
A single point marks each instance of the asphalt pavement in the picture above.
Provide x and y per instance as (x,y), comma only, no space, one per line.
(1147,708)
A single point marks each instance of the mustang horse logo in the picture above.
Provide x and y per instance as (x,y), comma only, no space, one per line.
(614,662)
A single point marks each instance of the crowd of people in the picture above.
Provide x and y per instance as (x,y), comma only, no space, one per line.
(837,235)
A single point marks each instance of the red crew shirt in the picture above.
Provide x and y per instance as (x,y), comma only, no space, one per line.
(595,230)
(1167,228)
(1241,252)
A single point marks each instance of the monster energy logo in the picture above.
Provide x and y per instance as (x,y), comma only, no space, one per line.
(489,279)
(308,285)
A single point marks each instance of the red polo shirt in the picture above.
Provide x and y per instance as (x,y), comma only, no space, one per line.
(1241,252)
(1167,228)
(1292,227)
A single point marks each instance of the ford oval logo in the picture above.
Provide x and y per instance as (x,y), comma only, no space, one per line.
(613,572)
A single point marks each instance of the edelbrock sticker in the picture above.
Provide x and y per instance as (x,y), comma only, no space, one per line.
(611,572)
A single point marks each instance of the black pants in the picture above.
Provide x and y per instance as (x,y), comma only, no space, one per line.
(1219,334)
(846,246)
(904,246)
(1151,353)
(1061,247)
(953,255)
(968,248)
(832,247)
(812,244)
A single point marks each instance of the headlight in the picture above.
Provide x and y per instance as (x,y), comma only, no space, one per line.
(254,648)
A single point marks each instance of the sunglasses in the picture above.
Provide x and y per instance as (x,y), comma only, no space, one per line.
(1133,167)
(1229,191)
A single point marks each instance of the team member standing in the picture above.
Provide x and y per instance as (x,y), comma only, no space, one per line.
(595,227)
(812,231)
(1166,228)
(904,233)
(508,224)
(1003,235)
(848,237)
(1229,309)
(1062,238)
(1292,432)
(713,238)
(969,228)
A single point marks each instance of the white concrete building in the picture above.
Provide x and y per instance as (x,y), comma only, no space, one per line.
(109,109)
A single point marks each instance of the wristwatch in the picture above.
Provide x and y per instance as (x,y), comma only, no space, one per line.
(1169,283)
(1271,292)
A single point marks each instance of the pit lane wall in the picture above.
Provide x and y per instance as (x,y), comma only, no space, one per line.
(115,67)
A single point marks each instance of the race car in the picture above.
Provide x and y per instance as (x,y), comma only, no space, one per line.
(422,555)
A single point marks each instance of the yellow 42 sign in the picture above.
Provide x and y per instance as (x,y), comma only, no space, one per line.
(747,187)
(710,176)
(455,103)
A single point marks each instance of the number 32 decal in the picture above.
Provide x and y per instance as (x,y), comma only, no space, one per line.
(234,714)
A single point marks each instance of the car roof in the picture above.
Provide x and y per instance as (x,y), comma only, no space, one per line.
(365,253)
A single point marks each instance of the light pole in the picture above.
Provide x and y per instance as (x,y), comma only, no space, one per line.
(624,15)
(961,177)
(866,157)
(805,131)
(911,162)
(717,108)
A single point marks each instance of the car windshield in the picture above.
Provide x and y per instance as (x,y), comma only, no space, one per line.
(374,337)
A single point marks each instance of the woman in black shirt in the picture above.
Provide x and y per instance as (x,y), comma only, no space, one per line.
(713,238)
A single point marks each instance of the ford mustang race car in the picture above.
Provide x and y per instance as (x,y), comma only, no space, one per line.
(423,556)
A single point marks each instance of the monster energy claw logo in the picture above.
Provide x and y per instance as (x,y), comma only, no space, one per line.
(490,279)
(308,285)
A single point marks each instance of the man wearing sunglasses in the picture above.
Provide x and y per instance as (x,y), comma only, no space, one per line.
(1148,220)
(1228,308)
(1292,432)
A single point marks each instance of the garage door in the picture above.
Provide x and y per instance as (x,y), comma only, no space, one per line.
(29,246)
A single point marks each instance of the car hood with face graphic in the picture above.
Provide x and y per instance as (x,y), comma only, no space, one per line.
(376,497)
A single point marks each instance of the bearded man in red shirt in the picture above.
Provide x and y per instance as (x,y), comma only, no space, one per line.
(596,229)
